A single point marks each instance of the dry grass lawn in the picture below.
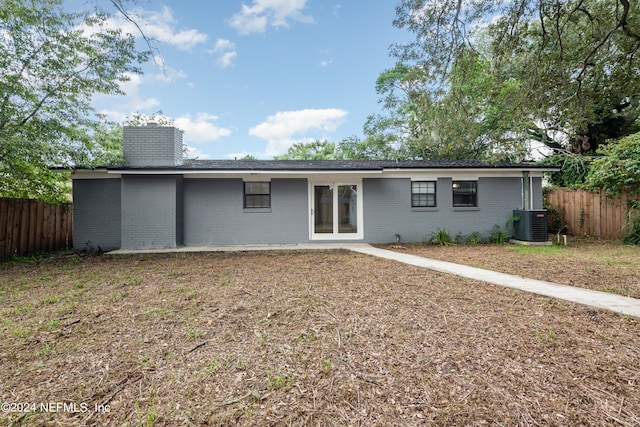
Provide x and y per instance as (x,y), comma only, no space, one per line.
(323,338)
(602,265)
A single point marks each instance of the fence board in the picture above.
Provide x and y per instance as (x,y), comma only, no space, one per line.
(58,228)
(601,216)
(30,226)
(40,226)
(33,218)
(23,245)
(8,247)
(3,224)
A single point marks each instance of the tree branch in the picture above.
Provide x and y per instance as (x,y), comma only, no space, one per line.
(49,92)
(623,20)
(149,41)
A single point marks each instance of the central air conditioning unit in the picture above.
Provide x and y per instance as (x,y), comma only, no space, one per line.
(532,225)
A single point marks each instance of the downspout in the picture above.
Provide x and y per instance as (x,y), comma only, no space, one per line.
(526,191)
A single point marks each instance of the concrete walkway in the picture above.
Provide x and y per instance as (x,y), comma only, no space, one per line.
(602,300)
(617,303)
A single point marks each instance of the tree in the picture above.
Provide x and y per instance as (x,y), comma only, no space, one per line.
(370,148)
(564,73)
(316,150)
(459,124)
(618,168)
(51,64)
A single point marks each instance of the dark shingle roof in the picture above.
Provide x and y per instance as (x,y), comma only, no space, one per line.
(336,165)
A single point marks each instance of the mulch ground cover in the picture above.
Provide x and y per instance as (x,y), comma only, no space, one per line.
(301,338)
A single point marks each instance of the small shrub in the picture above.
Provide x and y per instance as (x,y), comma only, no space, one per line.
(633,224)
(474,238)
(440,237)
(498,236)
(555,219)
(501,235)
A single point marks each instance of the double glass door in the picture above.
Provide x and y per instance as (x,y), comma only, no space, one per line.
(336,211)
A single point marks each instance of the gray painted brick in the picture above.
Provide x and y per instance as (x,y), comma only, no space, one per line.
(152,146)
(150,211)
(166,211)
(214,214)
(387,209)
(96,214)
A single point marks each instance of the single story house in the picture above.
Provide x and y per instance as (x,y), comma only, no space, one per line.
(159,200)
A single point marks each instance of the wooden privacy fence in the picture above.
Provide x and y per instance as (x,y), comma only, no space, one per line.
(591,213)
(30,226)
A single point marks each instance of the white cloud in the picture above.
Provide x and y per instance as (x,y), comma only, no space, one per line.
(162,26)
(200,128)
(227,48)
(168,75)
(195,153)
(277,13)
(120,108)
(226,59)
(155,25)
(326,55)
(288,127)
(223,45)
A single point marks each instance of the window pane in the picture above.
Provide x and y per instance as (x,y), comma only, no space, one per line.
(323,215)
(256,188)
(423,194)
(347,209)
(257,195)
(465,193)
(256,201)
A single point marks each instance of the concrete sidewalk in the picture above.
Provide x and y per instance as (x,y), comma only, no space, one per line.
(616,303)
(602,300)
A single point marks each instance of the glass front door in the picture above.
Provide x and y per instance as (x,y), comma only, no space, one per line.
(335,211)
(323,216)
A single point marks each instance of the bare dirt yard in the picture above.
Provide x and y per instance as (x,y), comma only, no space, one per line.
(301,338)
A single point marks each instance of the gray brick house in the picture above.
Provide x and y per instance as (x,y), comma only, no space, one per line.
(159,200)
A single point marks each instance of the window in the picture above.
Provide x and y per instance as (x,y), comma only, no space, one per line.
(423,194)
(257,195)
(465,194)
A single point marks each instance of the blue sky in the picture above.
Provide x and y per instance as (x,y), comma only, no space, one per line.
(256,76)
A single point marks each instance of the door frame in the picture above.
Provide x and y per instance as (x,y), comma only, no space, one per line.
(359,235)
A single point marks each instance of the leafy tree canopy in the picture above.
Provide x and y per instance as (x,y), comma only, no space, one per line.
(352,148)
(51,64)
(618,168)
(316,150)
(484,78)
(574,169)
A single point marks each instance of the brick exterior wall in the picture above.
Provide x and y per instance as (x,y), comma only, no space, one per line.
(152,145)
(388,211)
(164,211)
(151,211)
(214,214)
(96,214)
